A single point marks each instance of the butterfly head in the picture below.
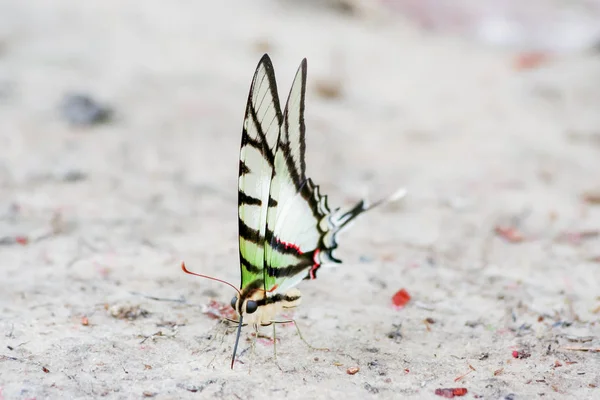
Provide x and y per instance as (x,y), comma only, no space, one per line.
(251,303)
(247,306)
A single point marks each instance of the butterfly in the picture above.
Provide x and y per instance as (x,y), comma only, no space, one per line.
(286,228)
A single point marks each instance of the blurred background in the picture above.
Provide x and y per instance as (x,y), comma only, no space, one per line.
(140,105)
(120,127)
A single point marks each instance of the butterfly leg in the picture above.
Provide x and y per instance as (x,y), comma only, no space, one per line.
(214,337)
(293,321)
(275,349)
(213,333)
(274,345)
(253,346)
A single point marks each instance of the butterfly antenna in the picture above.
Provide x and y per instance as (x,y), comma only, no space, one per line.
(208,277)
(237,339)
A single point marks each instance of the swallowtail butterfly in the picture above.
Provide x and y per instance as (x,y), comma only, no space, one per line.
(286,228)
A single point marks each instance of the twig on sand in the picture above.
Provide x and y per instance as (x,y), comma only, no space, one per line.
(590,349)
(180,300)
(461,377)
(157,334)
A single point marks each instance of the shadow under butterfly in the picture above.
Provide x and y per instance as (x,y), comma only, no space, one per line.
(286,229)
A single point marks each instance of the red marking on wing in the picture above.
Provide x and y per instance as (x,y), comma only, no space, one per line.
(273,288)
(316,265)
(288,246)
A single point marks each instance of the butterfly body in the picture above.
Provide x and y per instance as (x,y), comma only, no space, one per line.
(267,307)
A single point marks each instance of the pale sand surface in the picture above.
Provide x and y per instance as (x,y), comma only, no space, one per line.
(477,143)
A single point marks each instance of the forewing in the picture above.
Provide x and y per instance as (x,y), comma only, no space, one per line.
(260,133)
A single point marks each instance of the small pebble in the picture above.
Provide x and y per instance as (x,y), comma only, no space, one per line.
(352,370)
(82,110)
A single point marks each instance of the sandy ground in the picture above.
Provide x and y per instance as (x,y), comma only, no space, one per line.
(496,242)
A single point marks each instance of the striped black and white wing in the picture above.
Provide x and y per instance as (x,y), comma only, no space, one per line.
(262,123)
(301,230)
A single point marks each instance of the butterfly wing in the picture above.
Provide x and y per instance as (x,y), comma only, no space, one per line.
(260,133)
(301,229)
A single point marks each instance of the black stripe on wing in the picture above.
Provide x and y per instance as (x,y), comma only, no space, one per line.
(247,140)
(244,169)
(276,299)
(250,234)
(296,174)
(261,142)
(291,270)
(248,265)
(243,198)
(280,246)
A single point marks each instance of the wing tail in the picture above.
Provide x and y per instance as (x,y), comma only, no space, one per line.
(339,219)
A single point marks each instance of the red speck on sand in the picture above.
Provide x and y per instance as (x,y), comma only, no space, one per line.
(218,310)
(520,354)
(22,240)
(509,234)
(265,341)
(449,393)
(401,298)
(530,60)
